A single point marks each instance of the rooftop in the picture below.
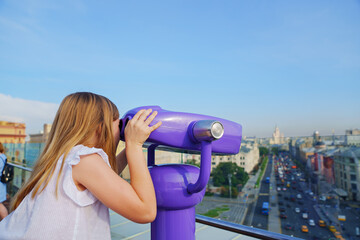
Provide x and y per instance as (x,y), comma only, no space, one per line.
(122,228)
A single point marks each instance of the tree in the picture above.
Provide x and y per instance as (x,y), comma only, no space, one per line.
(220,174)
(263,151)
(275,150)
(224,192)
(193,162)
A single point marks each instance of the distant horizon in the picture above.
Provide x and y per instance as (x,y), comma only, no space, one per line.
(23,111)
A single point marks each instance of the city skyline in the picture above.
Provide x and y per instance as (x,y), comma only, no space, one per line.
(295,65)
(22,110)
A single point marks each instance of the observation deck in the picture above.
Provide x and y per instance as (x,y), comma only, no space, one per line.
(206,228)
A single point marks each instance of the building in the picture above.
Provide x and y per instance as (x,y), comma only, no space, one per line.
(347,171)
(11,132)
(42,136)
(305,153)
(303,149)
(328,165)
(247,158)
(277,137)
(316,136)
(161,157)
(352,137)
(321,167)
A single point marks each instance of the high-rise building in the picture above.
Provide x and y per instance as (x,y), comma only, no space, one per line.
(277,137)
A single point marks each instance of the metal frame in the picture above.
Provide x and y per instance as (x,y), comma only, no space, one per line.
(241,229)
(21,167)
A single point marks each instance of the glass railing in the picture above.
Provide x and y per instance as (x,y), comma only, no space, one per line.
(25,154)
(22,174)
(284,195)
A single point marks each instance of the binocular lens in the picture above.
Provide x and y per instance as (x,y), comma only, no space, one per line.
(217,130)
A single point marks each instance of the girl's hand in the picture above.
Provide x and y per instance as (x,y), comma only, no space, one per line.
(137,130)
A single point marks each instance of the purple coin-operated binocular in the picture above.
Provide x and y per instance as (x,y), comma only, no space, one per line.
(179,187)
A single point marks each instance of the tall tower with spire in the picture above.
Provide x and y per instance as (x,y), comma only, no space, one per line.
(277,137)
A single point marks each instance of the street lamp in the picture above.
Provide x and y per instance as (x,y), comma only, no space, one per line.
(229,177)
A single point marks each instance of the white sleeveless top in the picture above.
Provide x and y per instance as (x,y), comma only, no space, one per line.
(73,215)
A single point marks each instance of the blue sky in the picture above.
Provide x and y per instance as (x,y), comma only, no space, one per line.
(259,63)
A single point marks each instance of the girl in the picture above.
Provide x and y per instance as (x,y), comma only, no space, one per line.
(3,210)
(75,179)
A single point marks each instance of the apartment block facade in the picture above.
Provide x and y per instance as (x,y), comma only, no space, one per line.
(12,132)
(347,171)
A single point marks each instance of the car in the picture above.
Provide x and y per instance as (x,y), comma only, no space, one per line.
(286,198)
(278,189)
(281,203)
(305,216)
(288,205)
(332,228)
(322,223)
(282,209)
(297,210)
(304,228)
(298,196)
(288,226)
(284,189)
(311,193)
(301,202)
(283,215)
(338,235)
(312,222)
(279,194)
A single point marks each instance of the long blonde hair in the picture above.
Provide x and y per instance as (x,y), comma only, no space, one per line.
(80,116)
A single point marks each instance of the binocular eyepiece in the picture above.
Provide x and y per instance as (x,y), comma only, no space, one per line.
(206,130)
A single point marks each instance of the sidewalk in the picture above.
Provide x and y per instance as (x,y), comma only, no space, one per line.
(248,216)
(249,195)
(329,215)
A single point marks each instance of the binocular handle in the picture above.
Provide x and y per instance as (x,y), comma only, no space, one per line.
(205,168)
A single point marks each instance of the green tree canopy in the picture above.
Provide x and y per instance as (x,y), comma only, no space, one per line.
(193,162)
(220,174)
(275,150)
(263,151)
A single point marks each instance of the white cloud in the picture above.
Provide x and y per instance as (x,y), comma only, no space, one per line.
(33,113)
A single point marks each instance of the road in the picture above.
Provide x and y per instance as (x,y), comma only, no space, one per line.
(259,220)
(306,204)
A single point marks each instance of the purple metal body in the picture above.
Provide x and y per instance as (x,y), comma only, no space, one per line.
(179,187)
(174,132)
